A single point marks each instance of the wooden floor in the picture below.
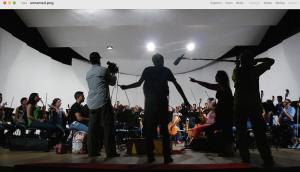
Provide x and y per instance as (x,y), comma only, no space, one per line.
(283,158)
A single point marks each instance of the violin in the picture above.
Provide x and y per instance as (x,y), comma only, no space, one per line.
(44,107)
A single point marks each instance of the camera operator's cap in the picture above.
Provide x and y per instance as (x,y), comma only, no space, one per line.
(95,55)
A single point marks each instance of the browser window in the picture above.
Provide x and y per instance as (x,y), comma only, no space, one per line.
(149,85)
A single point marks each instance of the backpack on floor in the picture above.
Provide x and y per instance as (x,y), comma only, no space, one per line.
(61,148)
(79,142)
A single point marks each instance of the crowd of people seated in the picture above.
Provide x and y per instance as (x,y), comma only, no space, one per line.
(208,119)
(191,123)
(283,120)
(79,115)
(55,123)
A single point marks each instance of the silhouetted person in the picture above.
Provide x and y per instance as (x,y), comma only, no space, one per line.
(224,108)
(156,93)
(247,104)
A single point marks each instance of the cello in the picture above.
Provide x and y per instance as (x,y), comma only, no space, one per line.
(172,126)
(287,93)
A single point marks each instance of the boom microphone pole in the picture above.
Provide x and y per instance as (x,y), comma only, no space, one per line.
(177,61)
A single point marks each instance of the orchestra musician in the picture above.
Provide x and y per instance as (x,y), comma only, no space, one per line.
(21,116)
(173,127)
(37,116)
(2,127)
(2,106)
(208,118)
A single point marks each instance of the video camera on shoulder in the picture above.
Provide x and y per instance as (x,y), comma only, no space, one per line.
(112,67)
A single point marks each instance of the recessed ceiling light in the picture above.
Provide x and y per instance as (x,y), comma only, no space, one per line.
(150,46)
(109,47)
(190,46)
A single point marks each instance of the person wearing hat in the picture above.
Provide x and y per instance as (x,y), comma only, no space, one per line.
(101,121)
(156,93)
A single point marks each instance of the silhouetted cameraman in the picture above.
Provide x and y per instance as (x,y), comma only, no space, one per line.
(101,123)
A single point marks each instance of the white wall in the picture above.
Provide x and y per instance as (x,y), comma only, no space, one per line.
(284,74)
(18,61)
(25,70)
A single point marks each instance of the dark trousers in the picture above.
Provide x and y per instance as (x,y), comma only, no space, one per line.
(224,122)
(259,129)
(2,138)
(156,113)
(50,128)
(282,135)
(101,129)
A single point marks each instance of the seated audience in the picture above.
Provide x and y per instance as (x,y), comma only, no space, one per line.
(174,124)
(2,106)
(37,116)
(282,134)
(7,126)
(209,119)
(295,127)
(206,108)
(193,116)
(57,115)
(78,116)
(277,111)
(21,116)
(194,108)
(1,120)
(268,111)
(287,114)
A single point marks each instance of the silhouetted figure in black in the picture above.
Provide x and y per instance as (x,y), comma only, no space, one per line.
(224,109)
(184,115)
(247,104)
(156,93)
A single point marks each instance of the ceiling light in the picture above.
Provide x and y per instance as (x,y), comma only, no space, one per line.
(109,47)
(190,46)
(151,46)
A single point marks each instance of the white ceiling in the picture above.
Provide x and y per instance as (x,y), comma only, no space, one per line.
(213,31)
